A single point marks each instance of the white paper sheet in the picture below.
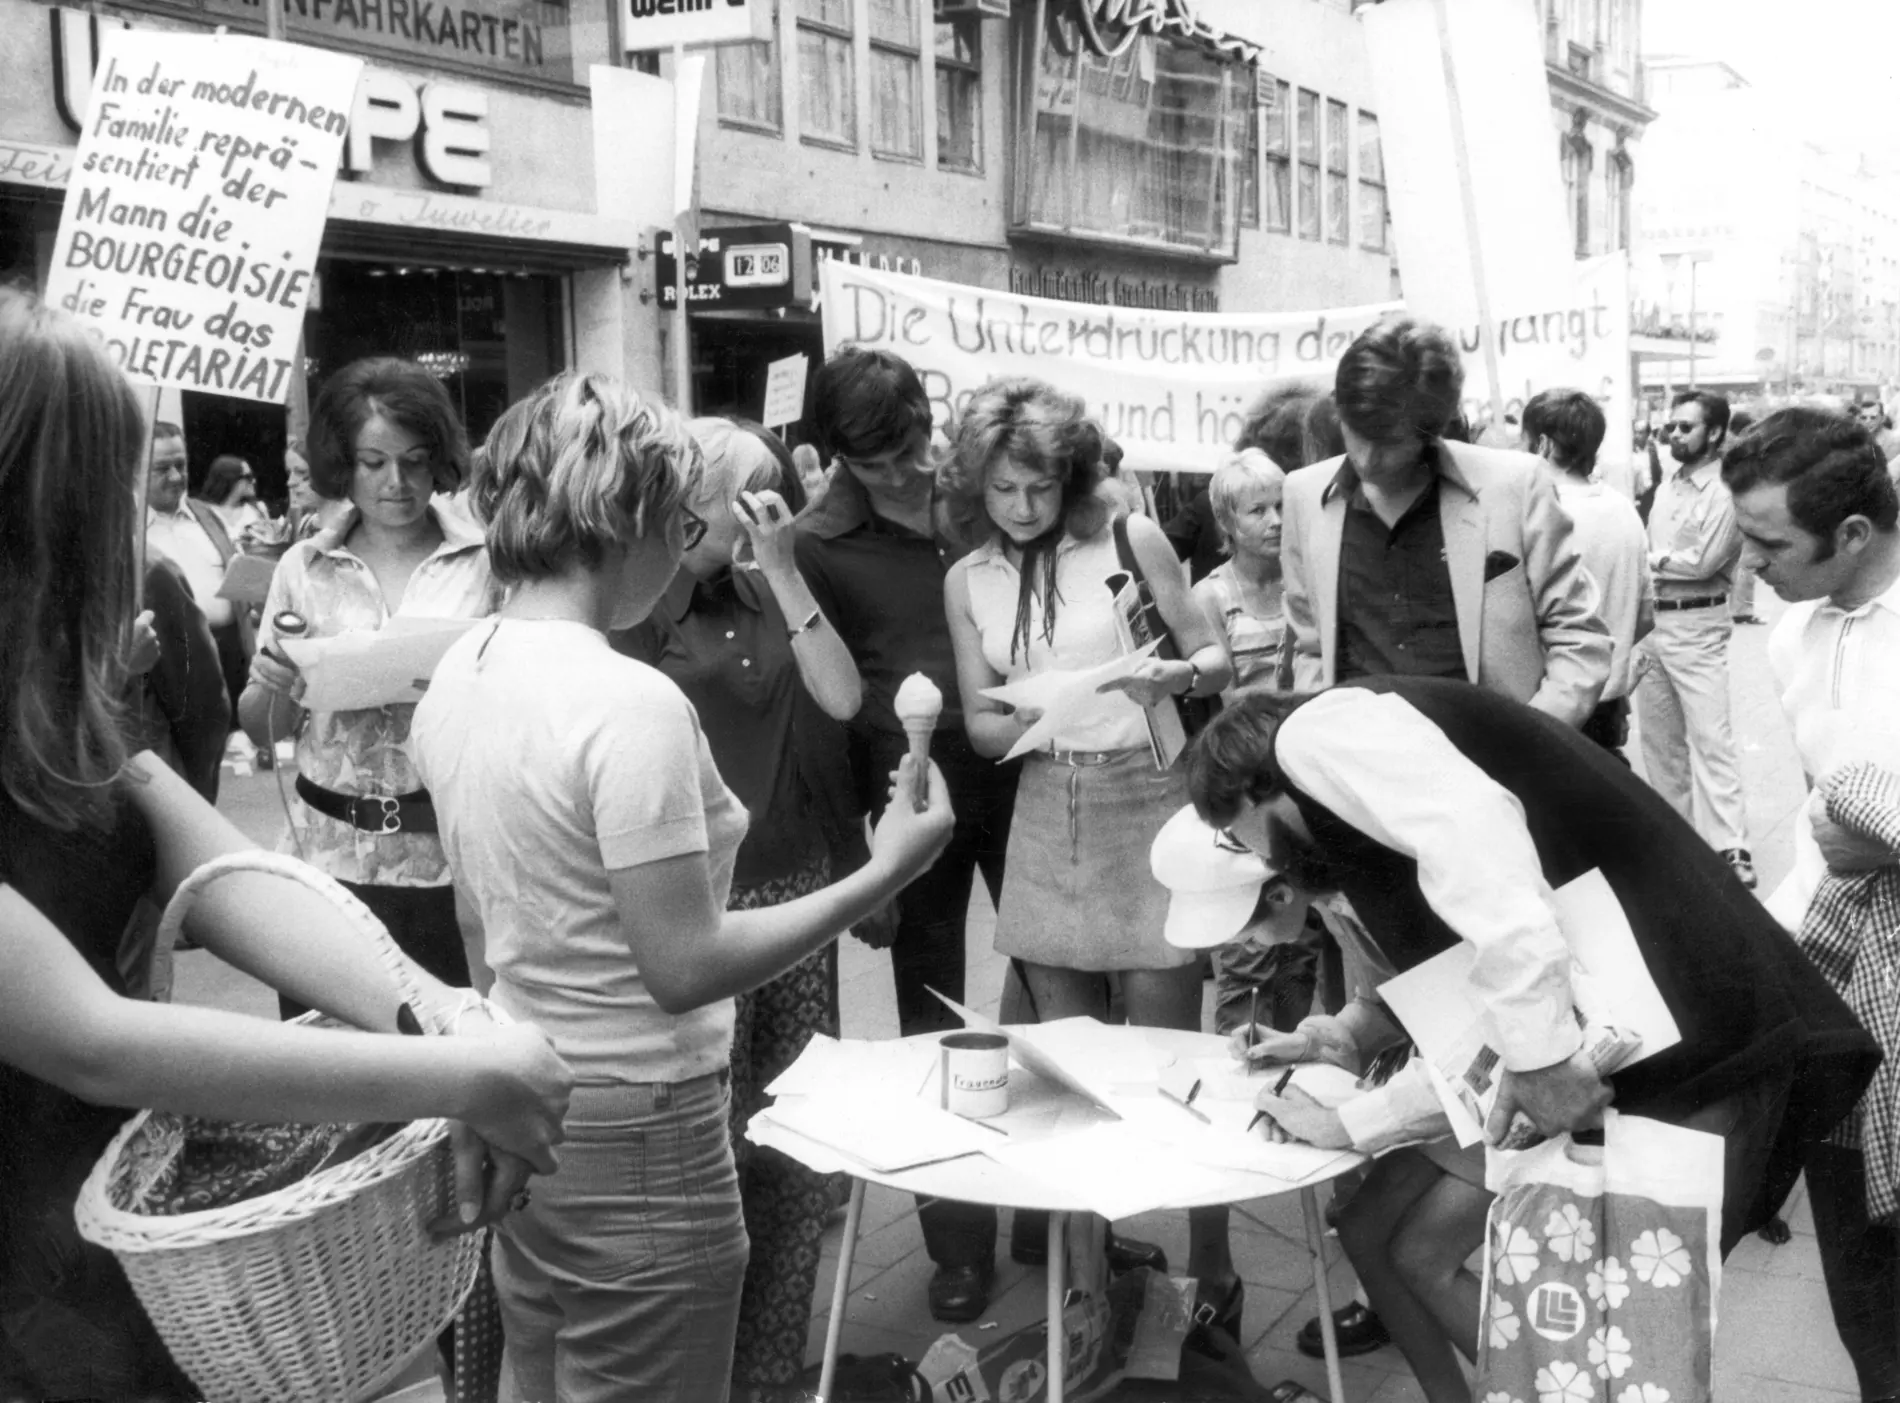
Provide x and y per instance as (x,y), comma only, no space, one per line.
(1067,700)
(247,579)
(354,671)
(885,1134)
(1440,1008)
(853,1067)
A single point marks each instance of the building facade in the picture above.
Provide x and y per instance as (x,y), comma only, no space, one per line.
(1221,156)
(1599,112)
(1781,271)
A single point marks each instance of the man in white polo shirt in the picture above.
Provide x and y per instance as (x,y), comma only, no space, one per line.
(1820,517)
(190,535)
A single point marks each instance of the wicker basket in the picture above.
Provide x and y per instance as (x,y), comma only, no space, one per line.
(320,1291)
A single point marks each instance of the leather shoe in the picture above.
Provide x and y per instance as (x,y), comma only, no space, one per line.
(959,1294)
(1742,865)
(1029,1245)
(1356,1329)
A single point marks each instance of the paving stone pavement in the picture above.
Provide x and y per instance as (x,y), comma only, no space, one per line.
(1775,1342)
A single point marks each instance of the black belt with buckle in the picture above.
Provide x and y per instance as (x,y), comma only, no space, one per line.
(373,813)
(1701,601)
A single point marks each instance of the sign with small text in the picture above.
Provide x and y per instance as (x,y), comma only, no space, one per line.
(196,205)
(785,391)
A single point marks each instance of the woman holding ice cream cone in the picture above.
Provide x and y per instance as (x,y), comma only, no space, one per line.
(1022,478)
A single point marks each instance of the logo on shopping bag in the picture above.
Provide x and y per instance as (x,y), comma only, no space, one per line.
(1555,1311)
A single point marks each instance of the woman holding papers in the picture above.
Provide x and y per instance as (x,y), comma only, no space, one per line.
(740,633)
(1021,482)
(85,832)
(588,824)
(384,437)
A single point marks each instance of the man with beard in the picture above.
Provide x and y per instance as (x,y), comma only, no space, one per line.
(1682,694)
(1446,814)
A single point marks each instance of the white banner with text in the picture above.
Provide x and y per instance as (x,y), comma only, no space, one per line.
(1172,387)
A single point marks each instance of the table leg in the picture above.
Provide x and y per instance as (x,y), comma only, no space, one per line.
(1316,1247)
(841,1291)
(1058,1274)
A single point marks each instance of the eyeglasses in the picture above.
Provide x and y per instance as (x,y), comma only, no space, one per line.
(692,528)
(1681,426)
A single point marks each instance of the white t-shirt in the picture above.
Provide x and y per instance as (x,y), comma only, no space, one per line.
(553,760)
(1839,675)
(1615,550)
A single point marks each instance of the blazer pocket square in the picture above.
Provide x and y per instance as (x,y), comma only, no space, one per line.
(1497,563)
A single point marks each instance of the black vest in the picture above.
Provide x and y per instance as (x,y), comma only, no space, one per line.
(1749,1004)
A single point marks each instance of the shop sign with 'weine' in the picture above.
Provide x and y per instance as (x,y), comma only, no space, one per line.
(660,24)
(511,38)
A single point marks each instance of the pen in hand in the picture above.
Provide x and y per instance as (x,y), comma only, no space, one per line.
(1279,1089)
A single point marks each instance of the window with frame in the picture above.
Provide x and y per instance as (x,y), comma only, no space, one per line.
(1276,152)
(1141,147)
(747,80)
(1307,138)
(1576,168)
(1622,177)
(960,94)
(897,117)
(1372,206)
(827,90)
(1338,179)
(1247,186)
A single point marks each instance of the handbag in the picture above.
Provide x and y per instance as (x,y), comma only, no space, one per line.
(1602,1267)
(1148,626)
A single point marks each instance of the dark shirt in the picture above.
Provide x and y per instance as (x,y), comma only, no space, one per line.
(58,1290)
(1397,615)
(180,706)
(724,642)
(881,586)
(1195,536)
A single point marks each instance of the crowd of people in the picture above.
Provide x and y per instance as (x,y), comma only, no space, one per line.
(659,777)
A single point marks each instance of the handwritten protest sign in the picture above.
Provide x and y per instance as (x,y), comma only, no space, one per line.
(198,195)
(1172,387)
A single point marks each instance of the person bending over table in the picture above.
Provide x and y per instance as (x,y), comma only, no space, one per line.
(584,817)
(85,832)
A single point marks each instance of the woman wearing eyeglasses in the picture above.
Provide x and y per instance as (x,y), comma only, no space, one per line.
(385,438)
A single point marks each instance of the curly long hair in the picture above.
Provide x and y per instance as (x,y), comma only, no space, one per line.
(1036,427)
(71,441)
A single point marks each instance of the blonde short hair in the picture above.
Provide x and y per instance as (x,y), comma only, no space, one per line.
(734,460)
(579,466)
(1233,479)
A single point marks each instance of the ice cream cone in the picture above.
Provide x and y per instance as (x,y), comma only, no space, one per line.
(918,704)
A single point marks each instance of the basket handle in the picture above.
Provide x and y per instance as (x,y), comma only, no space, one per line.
(283,865)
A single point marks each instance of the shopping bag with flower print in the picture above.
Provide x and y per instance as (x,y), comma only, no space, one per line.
(1602,1267)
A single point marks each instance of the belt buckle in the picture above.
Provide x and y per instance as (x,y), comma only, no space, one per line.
(392,813)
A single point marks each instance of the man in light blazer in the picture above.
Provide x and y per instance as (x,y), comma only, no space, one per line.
(1416,556)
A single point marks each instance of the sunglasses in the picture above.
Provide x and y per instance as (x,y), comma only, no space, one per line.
(692,529)
(1681,427)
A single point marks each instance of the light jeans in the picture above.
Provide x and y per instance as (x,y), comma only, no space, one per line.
(620,1279)
(1683,711)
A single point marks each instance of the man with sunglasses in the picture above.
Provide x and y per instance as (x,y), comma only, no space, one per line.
(1682,705)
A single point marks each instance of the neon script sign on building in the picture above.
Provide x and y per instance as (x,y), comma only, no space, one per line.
(1108,27)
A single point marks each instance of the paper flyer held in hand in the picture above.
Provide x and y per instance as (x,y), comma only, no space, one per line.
(1067,700)
(1622,1014)
(355,671)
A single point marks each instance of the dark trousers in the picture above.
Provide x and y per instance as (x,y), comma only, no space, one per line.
(421,920)
(1861,1263)
(232,662)
(928,952)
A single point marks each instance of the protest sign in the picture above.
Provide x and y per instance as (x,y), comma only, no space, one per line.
(199,190)
(1172,387)
(785,391)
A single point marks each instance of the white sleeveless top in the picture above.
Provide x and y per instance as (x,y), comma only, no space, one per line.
(1084,633)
